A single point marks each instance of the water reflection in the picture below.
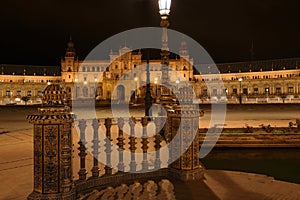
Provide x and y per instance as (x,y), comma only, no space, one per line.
(282,164)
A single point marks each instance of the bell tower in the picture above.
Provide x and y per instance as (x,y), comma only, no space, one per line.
(183,51)
(69,65)
(186,64)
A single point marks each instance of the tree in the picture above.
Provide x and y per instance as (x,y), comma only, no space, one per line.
(25,99)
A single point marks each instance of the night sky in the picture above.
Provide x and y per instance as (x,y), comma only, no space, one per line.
(36,31)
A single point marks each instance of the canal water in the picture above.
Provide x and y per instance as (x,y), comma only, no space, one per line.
(280,163)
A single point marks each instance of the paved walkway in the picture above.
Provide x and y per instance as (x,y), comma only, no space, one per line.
(16,165)
(237,186)
(16,175)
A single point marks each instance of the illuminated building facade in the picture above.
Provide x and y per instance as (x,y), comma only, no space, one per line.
(253,82)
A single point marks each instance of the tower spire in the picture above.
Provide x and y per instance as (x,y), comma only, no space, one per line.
(183,51)
(70,48)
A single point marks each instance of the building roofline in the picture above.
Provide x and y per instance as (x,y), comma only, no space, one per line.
(263,60)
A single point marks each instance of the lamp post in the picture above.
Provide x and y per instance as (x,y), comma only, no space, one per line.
(188,166)
(148,98)
(136,79)
(267,93)
(156,82)
(240,96)
(164,11)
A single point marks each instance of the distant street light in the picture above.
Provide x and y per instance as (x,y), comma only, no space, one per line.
(240,96)
(177,83)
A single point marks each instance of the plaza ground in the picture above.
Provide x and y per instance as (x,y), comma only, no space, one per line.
(16,174)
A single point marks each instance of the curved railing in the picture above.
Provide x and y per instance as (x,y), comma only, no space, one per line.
(118,151)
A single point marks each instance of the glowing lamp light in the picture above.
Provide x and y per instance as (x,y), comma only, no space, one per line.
(164,7)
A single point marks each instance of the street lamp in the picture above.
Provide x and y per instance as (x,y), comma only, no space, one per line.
(164,11)
(164,7)
(240,96)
